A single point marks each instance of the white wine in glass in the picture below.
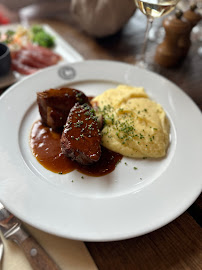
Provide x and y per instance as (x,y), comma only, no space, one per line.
(153,9)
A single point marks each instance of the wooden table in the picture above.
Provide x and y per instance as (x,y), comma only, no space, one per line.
(177,245)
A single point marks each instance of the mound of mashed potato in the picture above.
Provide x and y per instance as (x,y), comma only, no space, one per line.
(134,125)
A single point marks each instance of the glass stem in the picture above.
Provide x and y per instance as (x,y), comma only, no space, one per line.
(149,25)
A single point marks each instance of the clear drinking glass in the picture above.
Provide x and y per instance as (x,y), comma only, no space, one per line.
(152,9)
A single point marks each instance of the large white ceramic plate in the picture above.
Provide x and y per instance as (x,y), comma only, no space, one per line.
(123,204)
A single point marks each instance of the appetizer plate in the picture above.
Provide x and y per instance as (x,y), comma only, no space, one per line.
(127,202)
(61,47)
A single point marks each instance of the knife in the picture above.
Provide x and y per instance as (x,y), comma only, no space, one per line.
(12,229)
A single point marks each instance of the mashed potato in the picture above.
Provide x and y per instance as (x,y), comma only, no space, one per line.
(134,125)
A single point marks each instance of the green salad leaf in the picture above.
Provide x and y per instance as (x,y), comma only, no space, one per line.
(9,36)
(41,37)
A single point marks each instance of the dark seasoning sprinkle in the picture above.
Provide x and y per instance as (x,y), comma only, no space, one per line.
(125,130)
(79,123)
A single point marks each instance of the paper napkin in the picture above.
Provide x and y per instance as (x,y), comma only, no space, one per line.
(68,254)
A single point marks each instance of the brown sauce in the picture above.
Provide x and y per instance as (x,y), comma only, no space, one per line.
(45,145)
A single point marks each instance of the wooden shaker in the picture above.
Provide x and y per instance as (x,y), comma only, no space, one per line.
(168,53)
(193,18)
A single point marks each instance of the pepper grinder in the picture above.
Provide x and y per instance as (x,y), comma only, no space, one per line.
(193,18)
(168,53)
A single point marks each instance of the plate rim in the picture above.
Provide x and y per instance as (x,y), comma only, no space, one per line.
(114,237)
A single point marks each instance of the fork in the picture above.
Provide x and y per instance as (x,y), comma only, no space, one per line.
(1,251)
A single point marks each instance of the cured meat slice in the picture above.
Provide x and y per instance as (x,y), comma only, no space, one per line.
(32,58)
(22,68)
(81,137)
(55,104)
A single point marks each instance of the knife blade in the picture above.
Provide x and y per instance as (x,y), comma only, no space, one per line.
(12,229)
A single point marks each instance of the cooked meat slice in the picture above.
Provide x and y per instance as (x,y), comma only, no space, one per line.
(55,104)
(81,137)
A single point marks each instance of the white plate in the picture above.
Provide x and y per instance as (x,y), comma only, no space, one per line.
(61,47)
(120,205)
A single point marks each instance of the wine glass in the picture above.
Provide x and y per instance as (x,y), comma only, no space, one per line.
(152,9)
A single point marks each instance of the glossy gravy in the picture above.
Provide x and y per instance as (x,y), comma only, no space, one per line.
(45,145)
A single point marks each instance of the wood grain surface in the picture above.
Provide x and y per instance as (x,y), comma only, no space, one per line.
(175,246)
(37,256)
(178,245)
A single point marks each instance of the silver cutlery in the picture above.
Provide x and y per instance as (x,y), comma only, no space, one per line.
(12,229)
(1,251)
